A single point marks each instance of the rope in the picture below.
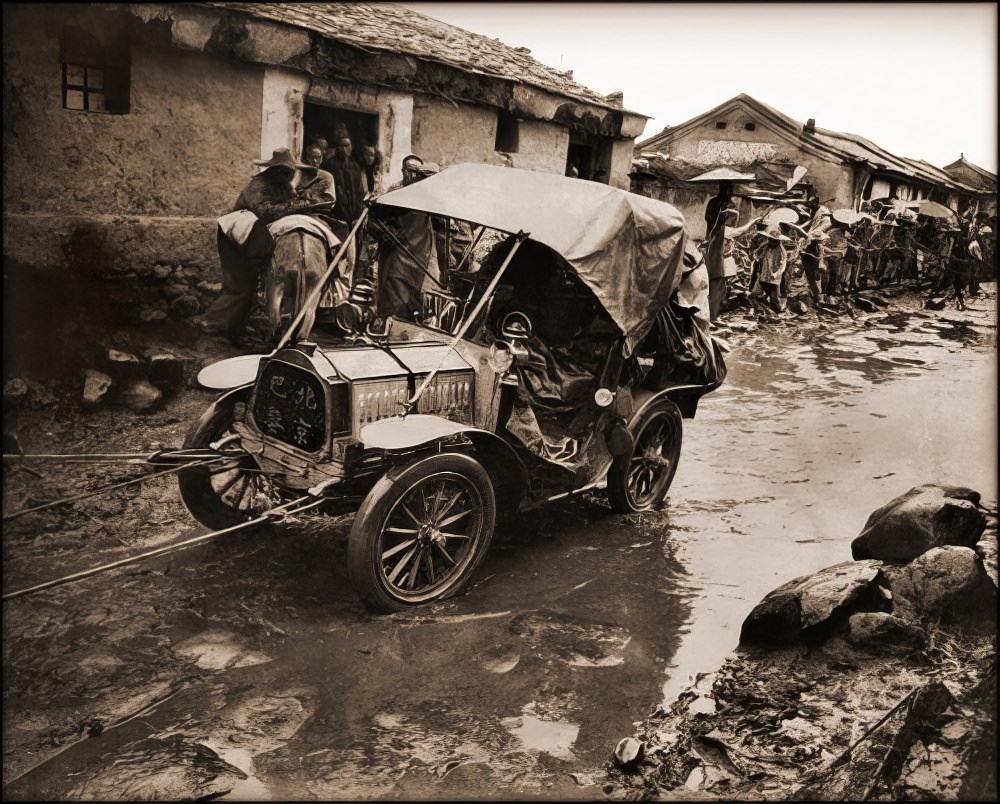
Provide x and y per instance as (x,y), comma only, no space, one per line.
(97,457)
(172,548)
(94,493)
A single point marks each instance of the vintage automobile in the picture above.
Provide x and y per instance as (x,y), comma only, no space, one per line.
(557,350)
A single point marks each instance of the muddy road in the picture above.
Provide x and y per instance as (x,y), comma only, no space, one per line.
(247,668)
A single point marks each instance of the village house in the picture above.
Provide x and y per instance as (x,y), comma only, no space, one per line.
(129,128)
(843,170)
(975,176)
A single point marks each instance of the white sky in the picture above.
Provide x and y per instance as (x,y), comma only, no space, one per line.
(918,79)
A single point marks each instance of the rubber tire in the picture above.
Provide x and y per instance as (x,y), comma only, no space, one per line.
(620,497)
(196,490)
(364,559)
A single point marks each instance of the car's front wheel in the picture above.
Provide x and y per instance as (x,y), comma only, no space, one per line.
(421,533)
(639,480)
(231,489)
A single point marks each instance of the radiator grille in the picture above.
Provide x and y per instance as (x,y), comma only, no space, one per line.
(449,396)
(290,406)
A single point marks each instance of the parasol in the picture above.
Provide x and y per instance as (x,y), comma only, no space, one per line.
(723,175)
(782,215)
(932,209)
(795,178)
(848,217)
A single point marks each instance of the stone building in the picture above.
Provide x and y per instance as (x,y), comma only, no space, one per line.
(128,128)
(743,133)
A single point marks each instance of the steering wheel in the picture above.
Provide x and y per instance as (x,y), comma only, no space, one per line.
(515,326)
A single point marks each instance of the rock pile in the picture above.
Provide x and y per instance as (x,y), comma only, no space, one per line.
(871,679)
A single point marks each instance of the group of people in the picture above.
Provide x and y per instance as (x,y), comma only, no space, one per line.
(328,181)
(355,175)
(843,251)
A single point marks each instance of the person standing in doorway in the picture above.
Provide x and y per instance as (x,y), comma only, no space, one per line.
(371,166)
(349,180)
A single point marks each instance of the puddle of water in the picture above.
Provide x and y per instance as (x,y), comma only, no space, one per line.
(218,650)
(911,414)
(249,789)
(553,737)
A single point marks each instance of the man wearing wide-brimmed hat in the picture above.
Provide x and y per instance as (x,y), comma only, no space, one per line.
(771,260)
(245,245)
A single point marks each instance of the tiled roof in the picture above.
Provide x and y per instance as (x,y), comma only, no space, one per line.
(396,29)
(972,174)
(848,146)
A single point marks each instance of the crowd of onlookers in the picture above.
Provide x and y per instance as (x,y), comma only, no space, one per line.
(844,251)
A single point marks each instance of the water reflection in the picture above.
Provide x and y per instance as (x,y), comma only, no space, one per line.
(814,429)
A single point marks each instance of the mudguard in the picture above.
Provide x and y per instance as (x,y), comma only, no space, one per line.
(232,372)
(417,431)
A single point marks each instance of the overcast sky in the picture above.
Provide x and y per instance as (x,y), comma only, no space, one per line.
(918,79)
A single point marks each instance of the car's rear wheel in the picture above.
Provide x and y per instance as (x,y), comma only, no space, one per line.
(421,533)
(639,479)
(232,489)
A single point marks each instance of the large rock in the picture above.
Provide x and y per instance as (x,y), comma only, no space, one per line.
(141,396)
(95,387)
(883,633)
(986,549)
(811,606)
(948,583)
(168,372)
(923,518)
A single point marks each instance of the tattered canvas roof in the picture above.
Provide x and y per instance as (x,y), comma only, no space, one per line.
(627,248)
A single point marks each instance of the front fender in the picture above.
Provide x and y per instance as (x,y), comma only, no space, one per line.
(407,432)
(228,399)
(232,372)
(508,473)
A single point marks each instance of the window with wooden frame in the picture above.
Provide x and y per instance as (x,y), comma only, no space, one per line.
(83,88)
(96,70)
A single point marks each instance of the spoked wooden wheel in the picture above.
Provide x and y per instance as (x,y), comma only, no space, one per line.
(639,480)
(231,490)
(421,534)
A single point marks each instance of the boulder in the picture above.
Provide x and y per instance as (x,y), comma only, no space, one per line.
(15,391)
(96,385)
(948,583)
(986,549)
(923,518)
(124,364)
(883,633)
(813,605)
(141,396)
(168,372)
(185,306)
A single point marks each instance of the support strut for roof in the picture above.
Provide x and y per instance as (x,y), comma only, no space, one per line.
(519,238)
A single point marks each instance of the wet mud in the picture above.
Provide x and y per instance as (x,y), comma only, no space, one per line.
(247,669)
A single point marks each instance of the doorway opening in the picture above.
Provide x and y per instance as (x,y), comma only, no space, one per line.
(331,123)
(590,157)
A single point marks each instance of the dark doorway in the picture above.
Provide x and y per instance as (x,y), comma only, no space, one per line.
(329,122)
(591,156)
